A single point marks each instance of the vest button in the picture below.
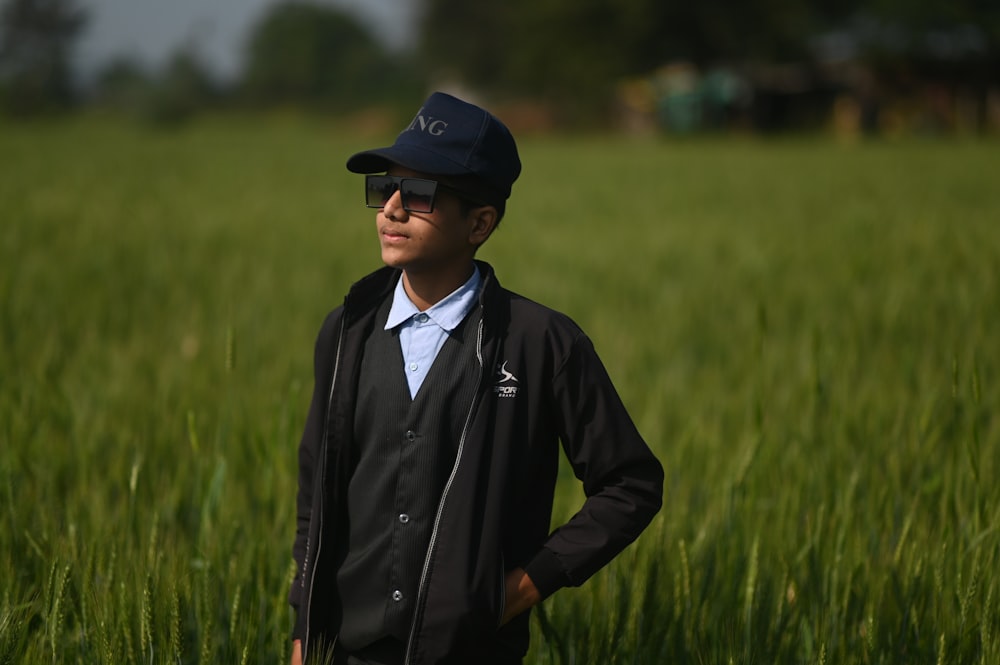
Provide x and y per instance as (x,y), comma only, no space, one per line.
(397,595)
(404,518)
(410,435)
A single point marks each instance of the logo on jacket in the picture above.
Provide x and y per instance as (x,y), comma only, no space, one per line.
(505,382)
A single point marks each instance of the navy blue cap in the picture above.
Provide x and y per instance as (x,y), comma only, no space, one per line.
(451,137)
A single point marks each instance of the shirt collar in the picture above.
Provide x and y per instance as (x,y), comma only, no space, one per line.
(447,313)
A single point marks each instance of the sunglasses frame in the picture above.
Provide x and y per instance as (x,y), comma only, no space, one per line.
(398,181)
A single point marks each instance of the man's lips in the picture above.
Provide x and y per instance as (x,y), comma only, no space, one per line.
(393,235)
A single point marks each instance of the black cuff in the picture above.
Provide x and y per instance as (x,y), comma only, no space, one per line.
(546,573)
(299,632)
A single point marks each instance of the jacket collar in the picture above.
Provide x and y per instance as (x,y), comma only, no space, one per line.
(495,316)
(369,291)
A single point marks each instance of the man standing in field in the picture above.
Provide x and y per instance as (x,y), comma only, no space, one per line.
(428,463)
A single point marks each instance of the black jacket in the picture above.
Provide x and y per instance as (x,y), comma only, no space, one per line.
(540,383)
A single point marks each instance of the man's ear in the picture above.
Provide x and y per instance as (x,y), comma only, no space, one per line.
(484,220)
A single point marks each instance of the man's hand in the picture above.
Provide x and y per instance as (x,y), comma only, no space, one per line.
(297,652)
(521,594)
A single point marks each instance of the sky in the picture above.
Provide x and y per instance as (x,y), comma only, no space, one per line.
(152,30)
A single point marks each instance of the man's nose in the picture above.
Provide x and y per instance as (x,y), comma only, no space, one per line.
(393,208)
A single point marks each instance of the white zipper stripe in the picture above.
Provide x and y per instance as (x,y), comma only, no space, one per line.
(322,488)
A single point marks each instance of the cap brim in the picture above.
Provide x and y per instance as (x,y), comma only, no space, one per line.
(417,159)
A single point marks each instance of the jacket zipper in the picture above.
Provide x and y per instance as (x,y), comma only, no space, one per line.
(319,532)
(422,588)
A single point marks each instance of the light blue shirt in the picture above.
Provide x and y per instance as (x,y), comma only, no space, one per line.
(422,334)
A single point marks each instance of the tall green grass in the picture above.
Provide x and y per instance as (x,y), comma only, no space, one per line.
(805,332)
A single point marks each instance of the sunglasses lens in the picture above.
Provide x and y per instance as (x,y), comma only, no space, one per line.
(378,190)
(418,194)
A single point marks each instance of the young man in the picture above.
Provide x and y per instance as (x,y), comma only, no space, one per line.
(429,457)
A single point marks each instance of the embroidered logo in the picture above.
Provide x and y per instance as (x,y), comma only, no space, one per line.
(505,382)
(430,124)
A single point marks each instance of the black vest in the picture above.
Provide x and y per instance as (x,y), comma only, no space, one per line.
(404,452)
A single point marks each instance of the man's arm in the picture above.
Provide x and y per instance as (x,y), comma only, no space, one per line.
(622,479)
(308,452)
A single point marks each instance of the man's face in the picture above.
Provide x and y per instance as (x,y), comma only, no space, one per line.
(425,242)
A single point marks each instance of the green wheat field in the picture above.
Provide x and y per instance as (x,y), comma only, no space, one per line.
(806,332)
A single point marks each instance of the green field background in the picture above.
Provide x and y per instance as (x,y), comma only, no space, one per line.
(806,332)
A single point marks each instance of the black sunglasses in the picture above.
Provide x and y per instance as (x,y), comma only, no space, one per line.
(417,194)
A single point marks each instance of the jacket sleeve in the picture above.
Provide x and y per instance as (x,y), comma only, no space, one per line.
(622,479)
(309,448)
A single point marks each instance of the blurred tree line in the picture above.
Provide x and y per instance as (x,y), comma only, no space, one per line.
(570,55)
(36,39)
